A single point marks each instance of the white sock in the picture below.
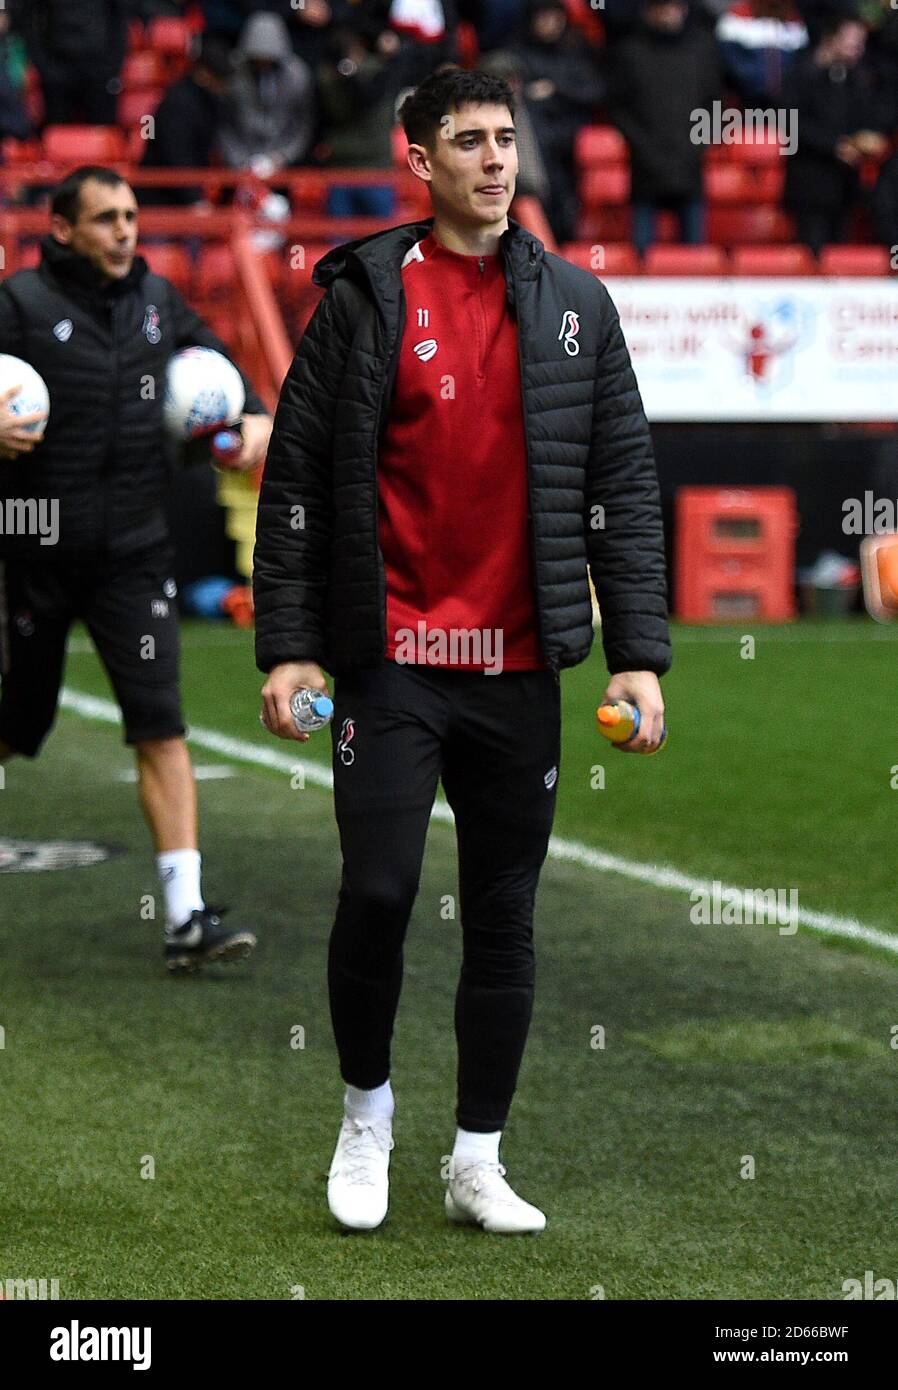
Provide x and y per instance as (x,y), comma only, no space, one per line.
(475,1148)
(379,1102)
(179,874)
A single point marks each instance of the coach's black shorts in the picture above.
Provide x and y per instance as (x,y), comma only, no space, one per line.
(128,605)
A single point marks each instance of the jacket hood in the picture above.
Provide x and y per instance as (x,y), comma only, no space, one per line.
(378,257)
(74,269)
(265,36)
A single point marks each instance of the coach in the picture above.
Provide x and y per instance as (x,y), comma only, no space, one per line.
(100,328)
(459,436)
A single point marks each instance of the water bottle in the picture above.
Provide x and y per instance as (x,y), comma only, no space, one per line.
(226,447)
(619,722)
(311,709)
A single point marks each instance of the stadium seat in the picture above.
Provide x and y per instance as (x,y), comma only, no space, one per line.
(686,260)
(773,260)
(765,224)
(730,183)
(134,105)
(143,69)
(599,144)
(20,151)
(171,260)
(855,260)
(170,37)
(29,255)
(468,44)
(603,258)
(756,152)
(585,19)
(215,271)
(608,184)
(84,144)
(400,146)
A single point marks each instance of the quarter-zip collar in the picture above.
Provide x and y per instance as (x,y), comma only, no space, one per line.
(377,260)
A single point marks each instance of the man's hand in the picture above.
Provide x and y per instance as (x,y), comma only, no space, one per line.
(276,692)
(256,430)
(643,689)
(14,438)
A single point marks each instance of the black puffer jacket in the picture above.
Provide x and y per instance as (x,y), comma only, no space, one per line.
(319,579)
(102,348)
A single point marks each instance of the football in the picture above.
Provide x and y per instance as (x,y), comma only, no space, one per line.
(203,391)
(33,395)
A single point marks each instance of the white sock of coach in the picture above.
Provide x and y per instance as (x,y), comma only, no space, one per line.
(379,1102)
(471,1147)
(179,874)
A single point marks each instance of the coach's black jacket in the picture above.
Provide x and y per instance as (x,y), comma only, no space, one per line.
(103,350)
(320,590)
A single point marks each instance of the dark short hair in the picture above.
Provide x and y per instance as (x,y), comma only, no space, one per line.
(445,91)
(67,197)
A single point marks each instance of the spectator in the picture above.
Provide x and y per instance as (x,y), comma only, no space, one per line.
(78,47)
(13,61)
(839,124)
(662,75)
(759,40)
(188,121)
(269,116)
(356,91)
(562,85)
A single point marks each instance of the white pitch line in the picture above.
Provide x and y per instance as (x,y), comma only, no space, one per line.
(567,851)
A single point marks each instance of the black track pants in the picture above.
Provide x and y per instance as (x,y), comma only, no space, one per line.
(495,742)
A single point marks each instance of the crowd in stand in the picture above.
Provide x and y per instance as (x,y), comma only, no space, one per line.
(284,83)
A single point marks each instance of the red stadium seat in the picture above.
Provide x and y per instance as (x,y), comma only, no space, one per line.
(215,271)
(761,225)
(686,260)
(400,146)
(468,45)
(29,256)
(169,36)
(172,261)
(604,225)
(756,152)
(585,18)
(855,260)
(143,69)
(603,258)
(20,151)
(134,105)
(773,260)
(599,144)
(84,144)
(608,184)
(729,183)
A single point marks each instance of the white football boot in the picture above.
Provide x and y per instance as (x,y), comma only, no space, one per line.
(478,1193)
(357,1185)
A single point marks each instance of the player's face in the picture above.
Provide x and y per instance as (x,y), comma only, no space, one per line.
(105,230)
(472,166)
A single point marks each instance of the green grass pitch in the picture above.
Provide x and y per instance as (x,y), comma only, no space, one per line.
(721,1042)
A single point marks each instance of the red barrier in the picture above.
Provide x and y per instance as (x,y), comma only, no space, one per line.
(735,554)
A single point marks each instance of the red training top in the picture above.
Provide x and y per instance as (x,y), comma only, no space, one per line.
(452,479)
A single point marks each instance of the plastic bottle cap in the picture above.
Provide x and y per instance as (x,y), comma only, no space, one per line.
(323,706)
(609,714)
